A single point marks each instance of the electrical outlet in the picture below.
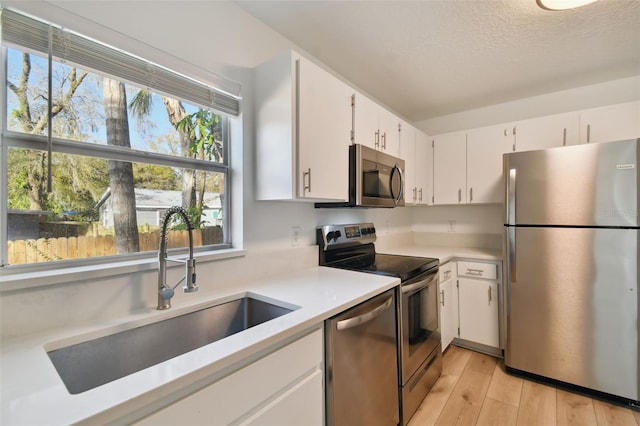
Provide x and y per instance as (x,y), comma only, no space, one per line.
(295,236)
(452,226)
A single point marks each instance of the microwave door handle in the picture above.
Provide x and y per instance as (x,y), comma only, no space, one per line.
(396,199)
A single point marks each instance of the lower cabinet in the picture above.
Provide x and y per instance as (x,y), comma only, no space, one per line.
(448,304)
(478,302)
(284,387)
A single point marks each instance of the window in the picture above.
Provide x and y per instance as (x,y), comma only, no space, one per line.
(98,144)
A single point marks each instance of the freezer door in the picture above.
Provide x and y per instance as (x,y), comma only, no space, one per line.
(583,185)
(572,306)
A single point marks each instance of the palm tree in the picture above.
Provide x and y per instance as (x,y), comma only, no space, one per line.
(120,172)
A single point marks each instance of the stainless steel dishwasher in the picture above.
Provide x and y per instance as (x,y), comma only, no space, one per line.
(362,364)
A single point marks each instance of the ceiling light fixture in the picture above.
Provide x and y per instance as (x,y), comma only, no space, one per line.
(562,4)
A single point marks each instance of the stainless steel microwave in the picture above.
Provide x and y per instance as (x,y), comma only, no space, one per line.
(376,179)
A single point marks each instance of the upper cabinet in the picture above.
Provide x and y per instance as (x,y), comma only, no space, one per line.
(375,126)
(547,132)
(450,168)
(303,129)
(610,123)
(485,147)
(415,150)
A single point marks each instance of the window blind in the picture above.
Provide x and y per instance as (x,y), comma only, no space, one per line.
(27,32)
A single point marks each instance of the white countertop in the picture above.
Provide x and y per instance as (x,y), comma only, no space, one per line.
(445,254)
(33,393)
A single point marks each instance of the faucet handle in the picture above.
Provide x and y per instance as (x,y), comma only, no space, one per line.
(166,293)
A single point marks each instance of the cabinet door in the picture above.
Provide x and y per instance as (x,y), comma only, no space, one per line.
(450,168)
(547,132)
(424,169)
(610,123)
(297,406)
(408,154)
(447,322)
(324,132)
(389,132)
(485,147)
(365,121)
(478,311)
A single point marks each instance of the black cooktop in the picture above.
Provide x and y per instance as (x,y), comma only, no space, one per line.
(403,267)
(351,247)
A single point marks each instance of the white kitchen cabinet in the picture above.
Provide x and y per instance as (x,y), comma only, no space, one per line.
(284,387)
(303,131)
(485,147)
(450,168)
(415,150)
(424,169)
(448,304)
(610,123)
(478,303)
(408,154)
(547,132)
(375,126)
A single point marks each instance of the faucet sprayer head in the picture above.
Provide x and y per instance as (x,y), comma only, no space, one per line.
(190,285)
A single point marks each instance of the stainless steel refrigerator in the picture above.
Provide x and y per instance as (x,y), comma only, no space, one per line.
(571,266)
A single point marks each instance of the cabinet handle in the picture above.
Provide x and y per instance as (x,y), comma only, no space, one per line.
(490,294)
(476,272)
(420,191)
(447,274)
(442,297)
(470,194)
(415,193)
(564,137)
(459,195)
(376,141)
(384,140)
(588,133)
(306,181)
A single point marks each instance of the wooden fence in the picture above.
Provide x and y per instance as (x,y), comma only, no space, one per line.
(52,249)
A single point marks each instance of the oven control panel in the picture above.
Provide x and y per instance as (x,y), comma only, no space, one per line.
(340,235)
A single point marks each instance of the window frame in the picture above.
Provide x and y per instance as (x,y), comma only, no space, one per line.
(114,264)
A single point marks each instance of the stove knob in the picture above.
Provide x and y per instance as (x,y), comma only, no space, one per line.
(372,230)
(336,235)
(329,236)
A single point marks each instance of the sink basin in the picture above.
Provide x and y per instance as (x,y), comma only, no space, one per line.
(89,364)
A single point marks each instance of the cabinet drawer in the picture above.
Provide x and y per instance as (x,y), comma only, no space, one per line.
(478,270)
(446,271)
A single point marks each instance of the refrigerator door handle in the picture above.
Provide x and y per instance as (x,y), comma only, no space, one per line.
(511,197)
(511,253)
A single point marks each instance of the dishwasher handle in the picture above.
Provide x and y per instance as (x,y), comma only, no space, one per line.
(367,316)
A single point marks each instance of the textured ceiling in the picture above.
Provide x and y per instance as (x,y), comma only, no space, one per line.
(430,58)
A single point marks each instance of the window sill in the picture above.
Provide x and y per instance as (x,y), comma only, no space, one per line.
(18,281)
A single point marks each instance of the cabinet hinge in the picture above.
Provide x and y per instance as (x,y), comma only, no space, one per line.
(457,284)
(433,143)
(458,331)
(353,100)
(433,199)
(353,136)
(400,127)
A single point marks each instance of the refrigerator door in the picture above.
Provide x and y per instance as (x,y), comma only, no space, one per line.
(572,306)
(582,185)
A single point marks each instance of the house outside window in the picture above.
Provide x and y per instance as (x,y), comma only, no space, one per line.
(98,144)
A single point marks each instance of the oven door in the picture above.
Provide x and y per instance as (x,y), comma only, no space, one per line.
(419,325)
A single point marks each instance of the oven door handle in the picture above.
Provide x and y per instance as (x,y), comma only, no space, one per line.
(366,317)
(415,287)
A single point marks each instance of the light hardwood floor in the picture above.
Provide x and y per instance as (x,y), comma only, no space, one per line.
(475,390)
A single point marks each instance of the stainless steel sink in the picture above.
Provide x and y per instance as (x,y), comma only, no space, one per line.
(89,364)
